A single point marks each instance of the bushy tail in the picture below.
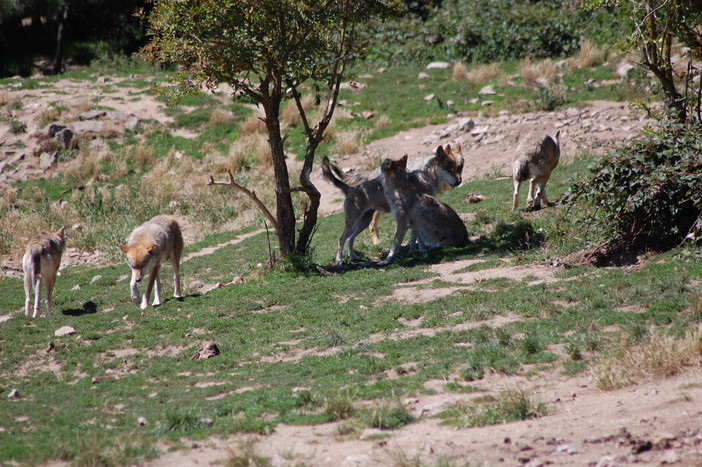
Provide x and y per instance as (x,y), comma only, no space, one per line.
(32,268)
(328,170)
(520,170)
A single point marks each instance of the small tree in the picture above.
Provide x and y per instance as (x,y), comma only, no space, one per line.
(654,26)
(266,50)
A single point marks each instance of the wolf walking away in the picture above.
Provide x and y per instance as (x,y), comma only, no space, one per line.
(535,158)
(41,262)
(151,243)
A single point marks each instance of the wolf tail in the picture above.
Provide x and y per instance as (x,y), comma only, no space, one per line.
(520,170)
(32,268)
(328,170)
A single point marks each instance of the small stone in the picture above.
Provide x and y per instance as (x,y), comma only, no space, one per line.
(208,350)
(488,90)
(132,123)
(64,331)
(14,394)
(47,160)
(95,279)
(429,97)
(422,75)
(91,115)
(141,421)
(670,457)
(439,65)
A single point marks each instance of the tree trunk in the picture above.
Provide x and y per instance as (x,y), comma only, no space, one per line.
(310,216)
(60,40)
(285,213)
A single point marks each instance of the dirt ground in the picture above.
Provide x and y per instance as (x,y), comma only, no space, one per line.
(657,422)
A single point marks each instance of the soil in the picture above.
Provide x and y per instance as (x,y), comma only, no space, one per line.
(656,422)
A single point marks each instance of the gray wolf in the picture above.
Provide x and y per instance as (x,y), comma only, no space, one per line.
(41,262)
(149,244)
(365,196)
(535,158)
(434,222)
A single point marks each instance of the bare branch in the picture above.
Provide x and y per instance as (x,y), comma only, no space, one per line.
(251,194)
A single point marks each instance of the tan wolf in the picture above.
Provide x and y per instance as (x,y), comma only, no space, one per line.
(535,158)
(364,193)
(149,244)
(435,223)
(41,262)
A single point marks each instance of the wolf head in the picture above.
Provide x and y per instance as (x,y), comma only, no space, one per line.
(138,257)
(450,164)
(390,167)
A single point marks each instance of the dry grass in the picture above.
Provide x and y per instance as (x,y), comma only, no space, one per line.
(253,124)
(382,122)
(483,73)
(290,116)
(347,142)
(10,100)
(144,156)
(589,56)
(542,73)
(221,117)
(84,169)
(251,150)
(661,356)
(460,72)
(83,105)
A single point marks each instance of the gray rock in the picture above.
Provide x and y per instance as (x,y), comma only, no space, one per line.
(87,126)
(76,287)
(422,75)
(14,394)
(95,279)
(47,160)
(64,331)
(466,124)
(54,128)
(488,90)
(439,65)
(92,115)
(65,139)
(132,122)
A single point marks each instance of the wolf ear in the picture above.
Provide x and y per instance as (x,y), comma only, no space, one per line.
(403,162)
(440,153)
(124,248)
(61,232)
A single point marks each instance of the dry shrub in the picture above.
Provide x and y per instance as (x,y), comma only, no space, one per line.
(221,117)
(541,73)
(483,74)
(383,122)
(290,117)
(9,99)
(589,56)
(83,169)
(661,356)
(84,105)
(460,72)
(248,151)
(253,124)
(144,156)
(347,142)
(48,116)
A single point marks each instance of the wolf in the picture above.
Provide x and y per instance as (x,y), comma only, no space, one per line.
(365,196)
(434,222)
(156,240)
(535,158)
(41,262)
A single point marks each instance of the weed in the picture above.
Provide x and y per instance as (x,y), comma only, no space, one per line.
(340,406)
(390,416)
(509,406)
(17,126)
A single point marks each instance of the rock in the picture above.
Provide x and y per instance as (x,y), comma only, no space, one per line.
(429,97)
(479,130)
(65,139)
(623,70)
(132,123)
(95,279)
(92,115)
(488,90)
(466,124)
(53,129)
(47,160)
(87,127)
(439,65)
(141,421)
(101,80)
(486,103)
(64,331)
(561,64)
(422,75)
(14,394)
(208,350)
(670,457)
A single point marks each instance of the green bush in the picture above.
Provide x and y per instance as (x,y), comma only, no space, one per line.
(648,196)
(492,30)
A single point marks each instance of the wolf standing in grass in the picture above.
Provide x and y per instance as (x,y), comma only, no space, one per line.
(536,157)
(151,243)
(41,262)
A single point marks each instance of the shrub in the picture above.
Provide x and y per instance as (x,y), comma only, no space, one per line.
(648,196)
